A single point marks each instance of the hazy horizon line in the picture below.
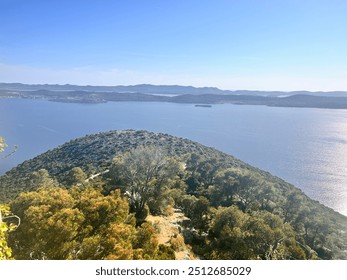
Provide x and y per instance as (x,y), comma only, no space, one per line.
(169,85)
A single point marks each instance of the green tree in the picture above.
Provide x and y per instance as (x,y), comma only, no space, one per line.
(259,235)
(200,214)
(225,188)
(226,235)
(76,176)
(201,173)
(270,238)
(145,174)
(40,178)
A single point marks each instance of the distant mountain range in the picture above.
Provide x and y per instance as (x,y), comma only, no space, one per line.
(175,94)
(161,89)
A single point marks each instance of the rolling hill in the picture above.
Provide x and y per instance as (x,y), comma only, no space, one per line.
(220,179)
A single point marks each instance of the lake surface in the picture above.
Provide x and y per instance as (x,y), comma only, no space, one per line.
(304,146)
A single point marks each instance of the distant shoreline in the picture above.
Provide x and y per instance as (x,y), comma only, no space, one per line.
(203,100)
(202,97)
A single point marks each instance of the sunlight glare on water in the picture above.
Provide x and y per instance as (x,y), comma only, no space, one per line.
(304,146)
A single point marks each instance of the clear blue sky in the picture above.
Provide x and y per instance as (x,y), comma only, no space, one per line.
(230,44)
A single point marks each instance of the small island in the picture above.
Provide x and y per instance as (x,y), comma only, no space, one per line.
(203,105)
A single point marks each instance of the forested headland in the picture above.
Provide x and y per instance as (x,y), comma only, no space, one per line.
(96,198)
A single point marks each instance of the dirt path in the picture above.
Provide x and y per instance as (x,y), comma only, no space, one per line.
(169,231)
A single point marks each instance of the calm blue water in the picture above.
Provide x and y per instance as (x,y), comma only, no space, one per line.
(306,147)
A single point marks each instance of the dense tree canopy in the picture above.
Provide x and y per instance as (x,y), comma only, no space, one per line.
(260,235)
(78,224)
(230,210)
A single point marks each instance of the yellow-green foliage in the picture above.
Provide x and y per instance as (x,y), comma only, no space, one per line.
(2,144)
(78,224)
(5,250)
